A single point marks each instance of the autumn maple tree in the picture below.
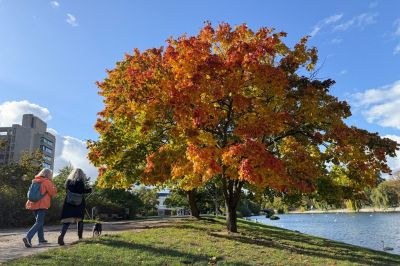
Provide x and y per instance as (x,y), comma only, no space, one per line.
(229,106)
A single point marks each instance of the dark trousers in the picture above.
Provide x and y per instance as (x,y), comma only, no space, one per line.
(65,228)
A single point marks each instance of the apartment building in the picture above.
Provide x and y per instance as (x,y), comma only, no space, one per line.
(29,137)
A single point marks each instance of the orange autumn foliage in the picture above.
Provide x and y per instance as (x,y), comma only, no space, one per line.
(228,104)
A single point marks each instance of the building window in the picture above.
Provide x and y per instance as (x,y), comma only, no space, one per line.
(46,157)
(47,149)
(48,142)
(46,165)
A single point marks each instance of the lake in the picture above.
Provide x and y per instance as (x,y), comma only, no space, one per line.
(361,229)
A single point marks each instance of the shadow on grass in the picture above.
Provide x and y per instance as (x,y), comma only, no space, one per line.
(202,225)
(262,235)
(191,227)
(184,257)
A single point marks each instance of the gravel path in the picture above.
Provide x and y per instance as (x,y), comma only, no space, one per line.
(11,245)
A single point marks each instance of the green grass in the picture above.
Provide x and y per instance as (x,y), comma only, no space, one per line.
(207,243)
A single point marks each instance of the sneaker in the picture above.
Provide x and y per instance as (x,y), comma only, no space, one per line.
(27,243)
(43,242)
(61,241)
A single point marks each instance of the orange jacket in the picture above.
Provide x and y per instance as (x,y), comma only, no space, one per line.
(47,186)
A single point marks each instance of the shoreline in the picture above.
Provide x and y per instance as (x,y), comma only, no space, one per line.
(397,209)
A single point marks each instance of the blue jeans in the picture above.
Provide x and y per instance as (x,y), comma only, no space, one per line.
(38,226)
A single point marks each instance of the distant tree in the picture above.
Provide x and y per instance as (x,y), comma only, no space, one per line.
(387,194)
(379,196)
(114,198)
(3,144)
(177,198)
(25,170)
(207,199)
(15,179)
(394,191)
(232,106)
(60,179)
(149,199)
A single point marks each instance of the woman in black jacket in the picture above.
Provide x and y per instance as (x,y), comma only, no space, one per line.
(74,204)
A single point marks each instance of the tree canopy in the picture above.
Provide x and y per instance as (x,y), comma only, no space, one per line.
(232,106)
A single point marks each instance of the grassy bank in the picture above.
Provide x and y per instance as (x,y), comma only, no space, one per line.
(206,242)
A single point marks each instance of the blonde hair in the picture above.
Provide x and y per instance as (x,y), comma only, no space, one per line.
(76,175)
(46,173)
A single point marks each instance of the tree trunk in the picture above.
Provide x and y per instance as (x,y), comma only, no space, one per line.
(192,203)
(216,207)
(232,190)
(231,218)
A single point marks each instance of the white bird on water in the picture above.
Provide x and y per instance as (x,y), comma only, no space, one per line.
(386,248)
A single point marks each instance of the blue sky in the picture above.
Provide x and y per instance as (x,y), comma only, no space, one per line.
(53,52)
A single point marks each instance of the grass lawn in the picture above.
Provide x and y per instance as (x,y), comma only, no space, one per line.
(206,242)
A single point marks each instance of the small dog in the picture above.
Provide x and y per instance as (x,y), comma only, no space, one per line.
(97,228)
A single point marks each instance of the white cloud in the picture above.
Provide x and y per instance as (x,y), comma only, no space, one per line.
(336,40)
(396,33)
(54,4)
(71,20)
(394,163)
(332,19)
(396,49)
(68,149)
(396,25)
(11,112)
(343,72)
(381,105)
(72,150)
(326,21)
(359,21)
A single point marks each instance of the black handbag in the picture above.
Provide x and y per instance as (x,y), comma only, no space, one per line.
(74,198)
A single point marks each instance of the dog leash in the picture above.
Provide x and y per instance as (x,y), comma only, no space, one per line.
(87,213)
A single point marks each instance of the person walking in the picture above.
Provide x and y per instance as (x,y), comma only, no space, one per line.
(42,188)
(74,204)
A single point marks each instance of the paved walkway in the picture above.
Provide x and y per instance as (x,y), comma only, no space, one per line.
(11,245)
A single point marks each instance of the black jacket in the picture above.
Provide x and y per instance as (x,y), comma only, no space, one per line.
(69,210)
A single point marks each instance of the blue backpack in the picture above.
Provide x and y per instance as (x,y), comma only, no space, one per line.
(34,194)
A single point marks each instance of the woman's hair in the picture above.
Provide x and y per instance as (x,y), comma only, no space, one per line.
(46,173)
(77,175)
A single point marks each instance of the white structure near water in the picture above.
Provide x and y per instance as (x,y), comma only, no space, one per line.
(163,209)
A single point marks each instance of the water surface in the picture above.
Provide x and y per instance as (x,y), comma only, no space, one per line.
(361,229)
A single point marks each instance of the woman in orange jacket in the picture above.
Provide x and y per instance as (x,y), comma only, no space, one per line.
(39,207)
